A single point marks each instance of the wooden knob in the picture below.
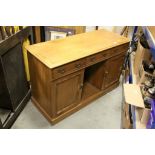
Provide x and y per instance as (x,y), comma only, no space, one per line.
(104,55)
(106,72)
(92,59)
(78,65)
(61,71)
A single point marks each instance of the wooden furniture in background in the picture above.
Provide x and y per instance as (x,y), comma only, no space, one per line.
(78,29)
(67,74)
(14,88)
(6,31)
(126,31)
(39,34)
(2,34)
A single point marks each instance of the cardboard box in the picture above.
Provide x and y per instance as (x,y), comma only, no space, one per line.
(133,96)
(141,54)
(126,117)
(152,30)
(144,115)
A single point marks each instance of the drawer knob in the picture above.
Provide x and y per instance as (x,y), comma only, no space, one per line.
(61,71)
(104,55)
(92,59)
(78,65)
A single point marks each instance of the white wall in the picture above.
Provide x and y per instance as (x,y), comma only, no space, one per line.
(116,29)
(109,28)
(90,28)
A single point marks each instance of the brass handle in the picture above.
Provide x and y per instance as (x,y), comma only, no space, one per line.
(104,55)
(61,71)
(78,65)
(92,59)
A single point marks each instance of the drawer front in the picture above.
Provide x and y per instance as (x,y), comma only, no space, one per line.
(80,64)
(96,58)
(106,54)
(117,50)
(68,68)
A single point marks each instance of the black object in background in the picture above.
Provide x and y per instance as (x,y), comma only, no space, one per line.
(14,87)
(14,76)
(144,42)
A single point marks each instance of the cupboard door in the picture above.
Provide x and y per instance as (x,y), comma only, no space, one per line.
(112,70)
(66,92)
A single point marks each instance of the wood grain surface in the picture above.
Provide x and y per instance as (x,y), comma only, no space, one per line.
(61,51)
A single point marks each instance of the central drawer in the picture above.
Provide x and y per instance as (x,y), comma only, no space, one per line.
(96,58)
(68,68)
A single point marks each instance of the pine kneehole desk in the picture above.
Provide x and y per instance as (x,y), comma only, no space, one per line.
(67,74)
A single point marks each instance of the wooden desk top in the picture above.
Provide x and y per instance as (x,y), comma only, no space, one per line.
(61,51)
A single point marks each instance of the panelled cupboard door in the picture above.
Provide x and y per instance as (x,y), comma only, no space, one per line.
(66,92)
(113,67)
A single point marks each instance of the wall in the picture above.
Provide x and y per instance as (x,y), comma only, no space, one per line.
(78,29)
(116,29)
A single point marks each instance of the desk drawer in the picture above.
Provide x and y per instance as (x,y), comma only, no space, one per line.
(68,68)
(96,58)
(117,50)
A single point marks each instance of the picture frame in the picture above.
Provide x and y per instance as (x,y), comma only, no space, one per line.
(57,35)
(52,33)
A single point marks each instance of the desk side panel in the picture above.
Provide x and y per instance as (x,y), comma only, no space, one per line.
(40,83)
